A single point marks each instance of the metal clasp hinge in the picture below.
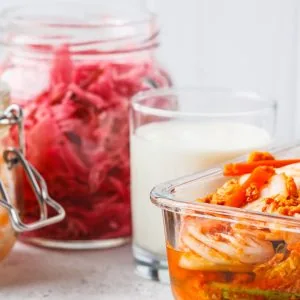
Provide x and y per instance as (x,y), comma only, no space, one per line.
(13,115)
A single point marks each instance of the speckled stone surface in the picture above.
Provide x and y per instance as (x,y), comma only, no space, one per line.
(35,273)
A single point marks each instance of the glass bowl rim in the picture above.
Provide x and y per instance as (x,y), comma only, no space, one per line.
(162,196)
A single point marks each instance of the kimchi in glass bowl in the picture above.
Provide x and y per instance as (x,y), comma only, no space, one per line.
(233,232)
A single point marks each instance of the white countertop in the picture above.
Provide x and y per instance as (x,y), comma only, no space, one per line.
(35,273)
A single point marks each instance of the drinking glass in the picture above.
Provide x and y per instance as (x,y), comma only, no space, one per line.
(175,132)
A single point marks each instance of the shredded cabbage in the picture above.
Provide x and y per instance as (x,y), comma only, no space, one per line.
(77,136)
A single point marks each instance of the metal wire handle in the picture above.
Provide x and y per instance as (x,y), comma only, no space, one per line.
(12,156)
(13,115)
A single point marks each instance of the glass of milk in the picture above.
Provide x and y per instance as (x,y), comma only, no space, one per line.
(176,132)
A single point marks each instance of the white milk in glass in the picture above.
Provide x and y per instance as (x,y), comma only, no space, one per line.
(166,150)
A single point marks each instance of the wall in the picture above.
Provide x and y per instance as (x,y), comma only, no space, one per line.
(243,44)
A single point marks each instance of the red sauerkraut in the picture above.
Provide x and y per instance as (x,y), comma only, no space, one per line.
(77,136)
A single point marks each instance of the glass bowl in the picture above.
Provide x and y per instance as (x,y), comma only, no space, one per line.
(232,253)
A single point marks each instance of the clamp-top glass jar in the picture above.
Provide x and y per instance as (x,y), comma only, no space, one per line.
(12,161)
(74,68)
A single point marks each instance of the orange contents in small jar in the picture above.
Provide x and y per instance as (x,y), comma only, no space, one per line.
(7,234)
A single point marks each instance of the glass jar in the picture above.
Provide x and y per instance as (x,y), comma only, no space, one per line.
(74,70)
(12,162)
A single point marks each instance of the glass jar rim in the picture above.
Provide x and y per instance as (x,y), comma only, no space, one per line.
(266,104)
(79,26)
(17,15)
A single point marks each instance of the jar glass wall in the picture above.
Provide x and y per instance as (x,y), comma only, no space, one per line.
(74,71)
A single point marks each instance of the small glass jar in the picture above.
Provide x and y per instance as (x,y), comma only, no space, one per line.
(13,166)
(73,70)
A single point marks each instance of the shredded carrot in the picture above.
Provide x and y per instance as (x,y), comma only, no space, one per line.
(238,169)
(259,156)
(258,178)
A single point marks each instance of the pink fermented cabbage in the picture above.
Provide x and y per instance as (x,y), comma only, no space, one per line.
(77,136)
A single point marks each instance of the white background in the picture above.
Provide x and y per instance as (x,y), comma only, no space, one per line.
(241,44)
(244,44)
